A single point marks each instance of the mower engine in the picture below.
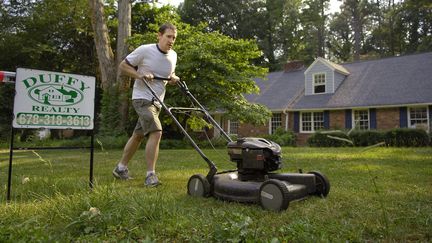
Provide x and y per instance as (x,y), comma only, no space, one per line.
(255,157)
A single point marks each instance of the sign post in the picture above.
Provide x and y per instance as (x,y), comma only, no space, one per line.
(53,100)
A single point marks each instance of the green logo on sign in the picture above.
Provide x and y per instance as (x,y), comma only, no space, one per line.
(55,94)
(55,89)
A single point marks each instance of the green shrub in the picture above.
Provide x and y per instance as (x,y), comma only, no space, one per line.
(366,138)
(328,139)
(407,137)
(282,137)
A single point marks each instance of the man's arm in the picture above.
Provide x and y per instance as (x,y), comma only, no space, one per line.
(126,69)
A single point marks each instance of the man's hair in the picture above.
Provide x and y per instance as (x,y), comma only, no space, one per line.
(166,26)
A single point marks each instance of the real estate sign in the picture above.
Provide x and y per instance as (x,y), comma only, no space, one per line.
(46,99)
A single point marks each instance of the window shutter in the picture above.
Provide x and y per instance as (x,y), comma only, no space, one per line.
(348,119)
(372,118)
(403,117)
(296,121)
(430,118)
(326,119)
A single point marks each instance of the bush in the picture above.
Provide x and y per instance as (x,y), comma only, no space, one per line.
(366,138)
(282,137)
(328,139)
(407,137)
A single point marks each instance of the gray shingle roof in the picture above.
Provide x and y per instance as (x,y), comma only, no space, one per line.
(278,90)
(403,80)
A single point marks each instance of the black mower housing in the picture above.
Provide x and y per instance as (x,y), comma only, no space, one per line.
(255,156)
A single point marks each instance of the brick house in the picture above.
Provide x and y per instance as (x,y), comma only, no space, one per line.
(382,94)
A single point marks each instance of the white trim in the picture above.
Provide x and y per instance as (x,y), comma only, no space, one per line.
(312,121)
(229,127)
(328,63)
(271,121)
(427,116)
(286,121)
(353,117)
(314,83)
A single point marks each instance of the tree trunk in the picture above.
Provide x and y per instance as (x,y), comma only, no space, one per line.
(102,42)
(124,32)
(321,27)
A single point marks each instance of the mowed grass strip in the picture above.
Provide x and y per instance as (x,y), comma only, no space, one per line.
(380,194)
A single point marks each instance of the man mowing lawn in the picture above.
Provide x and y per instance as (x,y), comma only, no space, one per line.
(145,63)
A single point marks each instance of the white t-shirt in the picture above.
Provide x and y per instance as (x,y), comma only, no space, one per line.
(149,58)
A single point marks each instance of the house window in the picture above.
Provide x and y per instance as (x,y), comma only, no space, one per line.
(361,119)
(233,127)
(418,117)
(319,83)
(275,122)
(312,121)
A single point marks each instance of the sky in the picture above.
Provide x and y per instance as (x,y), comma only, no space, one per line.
(334,4)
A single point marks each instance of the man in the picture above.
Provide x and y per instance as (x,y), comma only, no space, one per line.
(145,63)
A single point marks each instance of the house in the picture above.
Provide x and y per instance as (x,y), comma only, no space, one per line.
(382,94)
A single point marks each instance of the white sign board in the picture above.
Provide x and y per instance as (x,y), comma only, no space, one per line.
(46,99)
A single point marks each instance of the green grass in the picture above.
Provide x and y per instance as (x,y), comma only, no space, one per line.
(381,194)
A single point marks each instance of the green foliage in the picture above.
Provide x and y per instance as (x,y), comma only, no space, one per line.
(109,114)
(366,138)
(7,92)
(399,137)
(328,139)
(282,137)
(272,23)
(407,137)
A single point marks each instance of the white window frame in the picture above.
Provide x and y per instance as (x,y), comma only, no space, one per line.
(411,119)
(313,121)
(233,127)
(275,122)
(355,120)
(320,82)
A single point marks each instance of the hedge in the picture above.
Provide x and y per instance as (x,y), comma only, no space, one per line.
(398,137)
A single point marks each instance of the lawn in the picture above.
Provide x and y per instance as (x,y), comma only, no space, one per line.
(380,194)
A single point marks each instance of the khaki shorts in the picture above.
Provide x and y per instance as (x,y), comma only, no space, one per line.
(148,117)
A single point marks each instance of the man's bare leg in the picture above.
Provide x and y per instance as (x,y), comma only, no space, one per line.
(152,149)
(131,147)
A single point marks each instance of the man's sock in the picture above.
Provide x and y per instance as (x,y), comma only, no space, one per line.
(150,172)
(121,166)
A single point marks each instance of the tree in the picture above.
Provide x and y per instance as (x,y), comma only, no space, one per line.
(104,51)
(313,20)
(339,41)
(114,85)
(273,23)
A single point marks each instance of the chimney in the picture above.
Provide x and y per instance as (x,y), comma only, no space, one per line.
(294,65)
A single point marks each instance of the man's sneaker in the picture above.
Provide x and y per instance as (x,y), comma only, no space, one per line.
(121,174)
(152,180)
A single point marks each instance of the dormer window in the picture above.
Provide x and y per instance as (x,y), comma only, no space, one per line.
(319,83)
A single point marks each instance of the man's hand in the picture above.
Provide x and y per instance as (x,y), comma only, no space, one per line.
(147,76)
(174,79)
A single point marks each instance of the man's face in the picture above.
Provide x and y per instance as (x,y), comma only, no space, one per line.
(167,39)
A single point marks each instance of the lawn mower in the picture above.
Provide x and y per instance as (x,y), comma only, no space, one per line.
(254,180)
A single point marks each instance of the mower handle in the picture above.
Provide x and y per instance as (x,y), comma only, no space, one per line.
(183,87)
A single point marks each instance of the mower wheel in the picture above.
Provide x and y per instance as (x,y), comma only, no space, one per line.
(198,186)
(322,184)
(274,195)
